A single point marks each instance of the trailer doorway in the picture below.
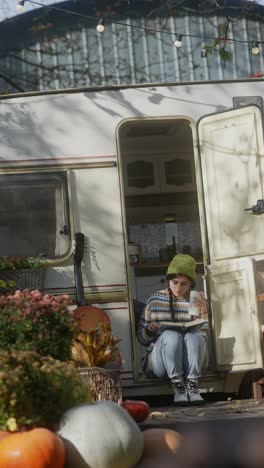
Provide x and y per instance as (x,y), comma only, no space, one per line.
(160,203)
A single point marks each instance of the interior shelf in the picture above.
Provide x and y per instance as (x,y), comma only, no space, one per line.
(158,268)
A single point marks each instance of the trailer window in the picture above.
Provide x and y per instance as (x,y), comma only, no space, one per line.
(34,215)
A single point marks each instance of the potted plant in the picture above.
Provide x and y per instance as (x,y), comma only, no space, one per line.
(6,286)
(34,321)
(97,355)
(22,273)
(36,390)
(96,347)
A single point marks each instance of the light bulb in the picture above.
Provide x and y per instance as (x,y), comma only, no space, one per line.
(204,53)
(20,5)
(100,26)
(178,42)
(255,48)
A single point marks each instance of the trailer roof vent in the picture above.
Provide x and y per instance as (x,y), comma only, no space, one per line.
(240,101)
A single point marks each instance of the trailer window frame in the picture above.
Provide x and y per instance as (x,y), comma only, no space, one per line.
(36,205)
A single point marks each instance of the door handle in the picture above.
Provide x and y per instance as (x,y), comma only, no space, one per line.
(258,208)
(64,231)
(253,310)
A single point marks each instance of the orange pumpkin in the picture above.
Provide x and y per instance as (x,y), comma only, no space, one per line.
(4,434)
(87,317)
(37,448)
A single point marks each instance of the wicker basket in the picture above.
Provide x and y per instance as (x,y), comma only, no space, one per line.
(25,279)
(105,384)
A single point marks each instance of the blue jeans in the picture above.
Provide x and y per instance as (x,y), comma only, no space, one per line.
(177,355)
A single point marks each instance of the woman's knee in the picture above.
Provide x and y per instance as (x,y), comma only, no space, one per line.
(197,338)
(170,337)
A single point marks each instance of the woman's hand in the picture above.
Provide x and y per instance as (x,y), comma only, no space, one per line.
(153,327)
(201,304)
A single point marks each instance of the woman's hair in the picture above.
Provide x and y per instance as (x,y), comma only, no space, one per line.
(170,277)
(176,275)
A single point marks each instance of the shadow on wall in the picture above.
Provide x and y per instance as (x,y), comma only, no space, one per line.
(138,311)
(226,348)
(60,278)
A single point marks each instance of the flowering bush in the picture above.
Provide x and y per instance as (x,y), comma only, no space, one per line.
(19,263)
(7,285)
(257,75)
(36,390)
(34,321)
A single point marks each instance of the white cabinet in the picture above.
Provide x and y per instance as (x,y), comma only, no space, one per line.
(141,175)
(177,173)
(145,174)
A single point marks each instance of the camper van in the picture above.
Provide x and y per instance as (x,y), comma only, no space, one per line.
(145,172)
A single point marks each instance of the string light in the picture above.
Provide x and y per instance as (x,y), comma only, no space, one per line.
(255,48)
(178,42)
(100,26)
(20,5)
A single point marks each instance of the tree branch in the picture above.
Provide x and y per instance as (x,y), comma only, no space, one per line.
(11,82)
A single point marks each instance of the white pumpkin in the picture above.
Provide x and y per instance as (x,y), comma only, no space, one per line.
(100,435)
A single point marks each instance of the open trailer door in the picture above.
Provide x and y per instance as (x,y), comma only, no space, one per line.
(235,322)
(232,163)
(232,170)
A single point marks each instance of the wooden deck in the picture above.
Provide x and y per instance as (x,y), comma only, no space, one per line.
(169,416)
(226,434)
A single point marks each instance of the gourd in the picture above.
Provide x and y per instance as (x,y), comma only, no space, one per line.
(37,448)
(159,441)
(100,435)
(139,410)
(159,462)
(160,448)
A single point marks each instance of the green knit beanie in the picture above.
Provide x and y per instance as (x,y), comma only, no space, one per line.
(183,265)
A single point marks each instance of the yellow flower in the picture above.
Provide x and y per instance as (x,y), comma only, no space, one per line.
(11,424)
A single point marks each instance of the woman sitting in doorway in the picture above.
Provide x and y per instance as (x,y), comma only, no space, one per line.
(175,354)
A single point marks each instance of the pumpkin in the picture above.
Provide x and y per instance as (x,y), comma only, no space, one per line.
(4,434)
(87,317)
(160,448)
(100,435)
(161,441)
(139,410)
(37,448)
(167,461)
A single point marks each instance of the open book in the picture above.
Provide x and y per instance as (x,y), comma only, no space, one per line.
(183,325)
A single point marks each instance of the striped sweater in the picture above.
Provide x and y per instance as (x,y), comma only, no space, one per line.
(157,310)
